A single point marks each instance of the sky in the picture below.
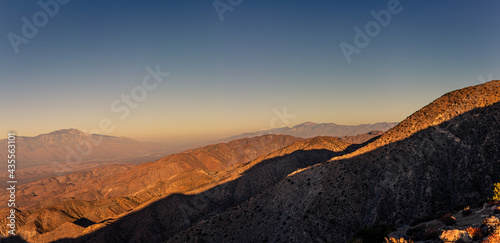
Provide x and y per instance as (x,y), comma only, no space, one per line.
(234,66)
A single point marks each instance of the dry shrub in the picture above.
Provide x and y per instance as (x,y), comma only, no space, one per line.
(448,220)
(466,211)
(496,193)
(397,240)
(492,239)
(475,233)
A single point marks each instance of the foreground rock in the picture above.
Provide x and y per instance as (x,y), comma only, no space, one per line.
(481,225)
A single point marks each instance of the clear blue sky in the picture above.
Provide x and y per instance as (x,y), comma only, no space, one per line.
(226,77)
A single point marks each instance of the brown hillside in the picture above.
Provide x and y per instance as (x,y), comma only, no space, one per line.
(451,162)
(442,109)
(103,188)
(162,218)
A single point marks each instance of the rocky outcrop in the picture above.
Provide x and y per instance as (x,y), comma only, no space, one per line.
(477,225)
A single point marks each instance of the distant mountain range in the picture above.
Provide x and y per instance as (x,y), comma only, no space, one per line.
(311,129)
(48,154)
(72,144)
(281,188)
(71,150)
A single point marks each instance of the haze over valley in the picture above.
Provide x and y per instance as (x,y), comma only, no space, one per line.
(250,121)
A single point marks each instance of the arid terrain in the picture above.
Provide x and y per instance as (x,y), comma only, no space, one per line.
(280,188)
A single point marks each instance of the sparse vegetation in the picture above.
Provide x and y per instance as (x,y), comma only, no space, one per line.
(398,240)
(475,233)
(466,212)
(459,207)
(492,239)
(448,220)
(496,193)
(496,210)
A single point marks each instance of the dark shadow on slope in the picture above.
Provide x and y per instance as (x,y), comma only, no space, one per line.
(84,222)
(355,146)
(165,217)
(12,239)
(433,169)
(455,162)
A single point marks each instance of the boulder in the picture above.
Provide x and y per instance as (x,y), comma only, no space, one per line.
(459,236)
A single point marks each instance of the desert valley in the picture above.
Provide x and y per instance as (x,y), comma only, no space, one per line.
(250,121)
(272,187)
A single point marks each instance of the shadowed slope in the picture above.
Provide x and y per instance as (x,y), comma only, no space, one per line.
(119,180)
(454,162)
(108,192)
(433,159)
(163,218)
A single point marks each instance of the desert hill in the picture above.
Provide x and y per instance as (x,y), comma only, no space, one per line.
(437,158)
(162,218)
(120,180)
(445,108)
(320,189)
(117,189)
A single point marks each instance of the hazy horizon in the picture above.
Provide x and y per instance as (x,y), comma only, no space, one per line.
(187,142)
(240,74)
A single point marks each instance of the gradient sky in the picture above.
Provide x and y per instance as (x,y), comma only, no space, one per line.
(226,77)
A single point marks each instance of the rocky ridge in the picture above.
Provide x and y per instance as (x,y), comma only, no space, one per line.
(445,154)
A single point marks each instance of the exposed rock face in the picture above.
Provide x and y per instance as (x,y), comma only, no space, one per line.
(481,225)
(455,236)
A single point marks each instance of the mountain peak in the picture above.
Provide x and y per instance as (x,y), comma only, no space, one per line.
(308,123)
(52,146)
(69,131)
